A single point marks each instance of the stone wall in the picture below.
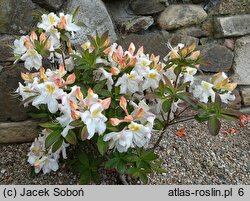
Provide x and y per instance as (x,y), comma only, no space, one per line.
(220,28)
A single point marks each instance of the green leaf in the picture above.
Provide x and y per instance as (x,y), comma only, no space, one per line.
(214,125)
(75,12)
(85,177)
(143,178)
(52,137)
(101,145)
(121,167)
(158,124)
(186,98)
(77,123)
(148,155)
(183,86)
(161,87)
(50,125)
(105,93)
(38,115)
(57,145)
(177,70)
(111,163)
(98,87)
(83,158)
(166,105)
(71,137)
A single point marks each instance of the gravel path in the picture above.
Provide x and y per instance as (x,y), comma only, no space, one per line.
(197,158)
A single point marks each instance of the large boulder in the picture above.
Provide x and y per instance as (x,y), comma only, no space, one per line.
(217,58)
(95,16)
(230,7)
(16,16)
(11,108)
(154,42)
(17,132)
(5,47)
(137,24)
(237,25)
(142,7)
(176,16)
(51,5)
(245,93)
(242,61)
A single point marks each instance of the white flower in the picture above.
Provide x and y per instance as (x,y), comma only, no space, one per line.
(32,59)
(67,24)
(105,75)
(146,118)
(141,134)
(142,64)
(49,93)
(120,140)
(19,46)
(129,82)
(152,78)
(48,21)
(26,92)
(69,64)
(95,120)
(204,91)
(189,75)
(226,97)
(54,39)
(46,163)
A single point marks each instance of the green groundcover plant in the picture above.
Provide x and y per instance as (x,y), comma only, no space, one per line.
(107,101)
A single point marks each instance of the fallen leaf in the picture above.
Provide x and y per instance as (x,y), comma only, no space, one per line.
(243,120)
(181,133)
(230,131)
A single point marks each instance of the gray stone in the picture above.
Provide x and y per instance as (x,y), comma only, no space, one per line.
(245,93)
(242,61)
(231,7)
(154,42)
(6,41)
(238,25)
(10,107)
(96,18)
(217,58)
(138,24)
(176,16)
(16,16)
(194,31)
(51,5)
(236,104)
(198,1)
(230,43)
(142,7)
(180,38)
(120,11)
(210,4)
(17,132)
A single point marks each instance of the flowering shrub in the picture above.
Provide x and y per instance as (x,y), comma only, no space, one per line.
(107,101)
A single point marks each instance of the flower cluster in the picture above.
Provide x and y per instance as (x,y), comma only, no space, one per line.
(31,49)
(104,94)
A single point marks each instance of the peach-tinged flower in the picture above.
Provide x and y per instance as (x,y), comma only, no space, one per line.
(114,71)
(106,103)
(70,79)
(67,23)
(33,36)
(123,104)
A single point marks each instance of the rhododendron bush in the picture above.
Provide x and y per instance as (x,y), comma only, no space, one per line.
(108,102)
